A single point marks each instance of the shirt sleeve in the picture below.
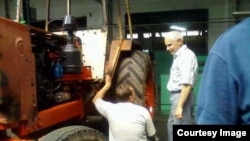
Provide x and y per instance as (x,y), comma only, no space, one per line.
(102,106)
(188,69)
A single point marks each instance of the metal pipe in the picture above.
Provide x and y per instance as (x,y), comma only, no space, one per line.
(129,19)
(68,7)
(119,19)
(104,13)
(47,15)
(18,10)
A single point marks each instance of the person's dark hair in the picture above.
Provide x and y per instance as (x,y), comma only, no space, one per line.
(123,92)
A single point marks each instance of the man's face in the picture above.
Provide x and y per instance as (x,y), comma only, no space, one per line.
(172,45)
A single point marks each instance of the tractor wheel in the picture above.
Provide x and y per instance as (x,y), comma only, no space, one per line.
(74,133)
(136,71)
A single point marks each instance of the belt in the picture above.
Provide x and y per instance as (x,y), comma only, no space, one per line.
(174,92)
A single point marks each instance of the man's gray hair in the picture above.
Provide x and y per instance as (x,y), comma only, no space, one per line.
(174,35)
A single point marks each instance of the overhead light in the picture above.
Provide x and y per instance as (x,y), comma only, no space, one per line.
(60,33)
(178,28)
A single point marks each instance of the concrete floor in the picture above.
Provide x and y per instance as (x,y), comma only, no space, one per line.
(160,122)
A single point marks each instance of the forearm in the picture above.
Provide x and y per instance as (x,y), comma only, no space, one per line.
(185,92)
(101,93)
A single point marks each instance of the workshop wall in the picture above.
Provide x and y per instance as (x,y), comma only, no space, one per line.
(93,10)
(218,10)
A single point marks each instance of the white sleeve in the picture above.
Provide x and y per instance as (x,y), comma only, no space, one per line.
(150,125)
(102,106)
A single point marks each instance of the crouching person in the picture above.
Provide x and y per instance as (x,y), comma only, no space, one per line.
(127,121)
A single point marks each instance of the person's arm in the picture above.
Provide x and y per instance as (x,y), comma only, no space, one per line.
(101,93)
(185,92)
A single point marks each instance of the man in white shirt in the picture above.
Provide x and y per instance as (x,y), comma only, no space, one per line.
(127,121)
(181,82)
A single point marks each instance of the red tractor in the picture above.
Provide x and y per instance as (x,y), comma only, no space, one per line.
(47,81)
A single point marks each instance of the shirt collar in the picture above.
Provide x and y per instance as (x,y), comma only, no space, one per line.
(178,52)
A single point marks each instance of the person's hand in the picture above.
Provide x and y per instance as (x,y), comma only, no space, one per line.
(178,113)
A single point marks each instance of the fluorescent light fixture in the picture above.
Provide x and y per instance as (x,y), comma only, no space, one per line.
(60,33)
(147,35)
(145,50)
(178,28)
(157,34)
(134,35)
(193,33)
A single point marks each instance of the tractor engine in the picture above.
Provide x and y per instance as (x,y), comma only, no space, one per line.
(57,62)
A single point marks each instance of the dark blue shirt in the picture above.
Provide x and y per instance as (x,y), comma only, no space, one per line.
(224,94)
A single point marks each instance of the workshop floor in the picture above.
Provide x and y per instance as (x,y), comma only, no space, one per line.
(160,121)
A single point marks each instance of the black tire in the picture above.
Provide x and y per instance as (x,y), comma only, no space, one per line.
(133,71)
(74,133)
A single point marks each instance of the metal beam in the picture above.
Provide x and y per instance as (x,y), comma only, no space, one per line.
(241,13)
